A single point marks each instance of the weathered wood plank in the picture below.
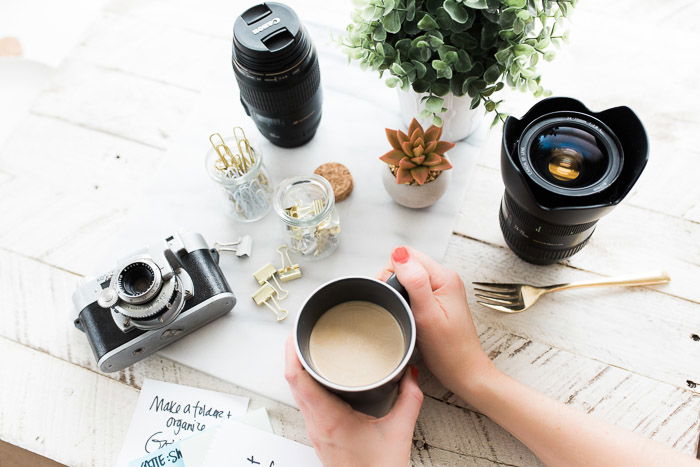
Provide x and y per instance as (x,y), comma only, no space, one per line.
(638,329)
(155,50)
(115,103)
(627,240)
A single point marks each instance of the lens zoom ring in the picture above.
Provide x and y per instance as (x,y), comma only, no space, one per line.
(529,220)
(532,253)
(282,101)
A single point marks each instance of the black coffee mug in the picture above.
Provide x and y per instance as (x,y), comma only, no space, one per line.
(376,398)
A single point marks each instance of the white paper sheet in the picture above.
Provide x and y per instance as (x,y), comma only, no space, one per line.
(166,413)
(238,445)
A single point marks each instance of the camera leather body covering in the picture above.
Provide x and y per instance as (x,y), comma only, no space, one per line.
(115,349)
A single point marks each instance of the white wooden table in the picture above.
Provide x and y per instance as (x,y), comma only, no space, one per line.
(74,167)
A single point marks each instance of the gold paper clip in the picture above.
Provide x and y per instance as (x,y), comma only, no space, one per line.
(263,276)
(288,271)
(244,147)
(265,295)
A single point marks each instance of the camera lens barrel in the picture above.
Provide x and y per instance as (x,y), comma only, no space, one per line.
(278,75)
(537,241)
(564,167)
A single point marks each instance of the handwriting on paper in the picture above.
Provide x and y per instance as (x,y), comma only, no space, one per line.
(166,413)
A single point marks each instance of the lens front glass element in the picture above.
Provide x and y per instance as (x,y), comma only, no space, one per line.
(136,279)
(569,157)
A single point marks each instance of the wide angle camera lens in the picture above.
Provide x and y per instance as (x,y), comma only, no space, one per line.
(564,167)
(277,70)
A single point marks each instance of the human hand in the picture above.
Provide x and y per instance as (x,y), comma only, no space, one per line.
(345,437)
(446,334)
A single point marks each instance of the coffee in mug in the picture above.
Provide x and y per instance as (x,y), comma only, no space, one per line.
(355,336)
(356,343)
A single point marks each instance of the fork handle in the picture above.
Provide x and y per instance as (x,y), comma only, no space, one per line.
(658,277)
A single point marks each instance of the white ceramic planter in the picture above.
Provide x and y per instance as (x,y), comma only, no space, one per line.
(459,121)
(415,196)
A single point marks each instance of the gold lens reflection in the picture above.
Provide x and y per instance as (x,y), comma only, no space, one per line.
(565,164)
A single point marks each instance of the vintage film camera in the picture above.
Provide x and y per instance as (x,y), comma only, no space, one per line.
(153,298)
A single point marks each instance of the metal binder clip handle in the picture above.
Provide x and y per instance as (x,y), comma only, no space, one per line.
(288,271)
(267,273)
(241,247)
(265,295)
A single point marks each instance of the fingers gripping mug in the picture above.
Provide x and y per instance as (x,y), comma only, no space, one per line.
(355,336)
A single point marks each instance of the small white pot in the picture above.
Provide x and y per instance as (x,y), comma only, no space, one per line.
(415,196)
(459,121)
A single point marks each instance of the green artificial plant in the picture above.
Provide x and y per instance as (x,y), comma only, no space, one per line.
(471,47)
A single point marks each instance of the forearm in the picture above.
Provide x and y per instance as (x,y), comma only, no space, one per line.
(558,434)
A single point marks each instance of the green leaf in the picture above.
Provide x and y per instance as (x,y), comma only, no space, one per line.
(425,114)
(440,88)
(388,6)
(379,34)
(523,49)
(421,85)
(437,121)
(476,100)
(410,10)
(392,22)
(434,104)
(502,56)
(420,68)
(427,23)
(397,70)
(490,106)
(392,81)
(492,73)
(516,3)
(549,56)
(464,62)
(456,11)
(439,65)
(477,4)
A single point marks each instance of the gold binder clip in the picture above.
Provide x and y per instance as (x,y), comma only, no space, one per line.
(265,295)
(288,271)
(267,273)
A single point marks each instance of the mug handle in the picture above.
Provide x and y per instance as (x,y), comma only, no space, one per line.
(393,281)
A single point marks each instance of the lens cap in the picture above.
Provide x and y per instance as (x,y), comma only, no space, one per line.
(268,37)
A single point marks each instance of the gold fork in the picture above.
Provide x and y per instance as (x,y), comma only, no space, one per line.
(514,298)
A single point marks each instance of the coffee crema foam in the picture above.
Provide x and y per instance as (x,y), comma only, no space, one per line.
(356,343)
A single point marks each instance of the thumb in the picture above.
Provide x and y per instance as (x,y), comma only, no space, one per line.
(407,407)
(414,277)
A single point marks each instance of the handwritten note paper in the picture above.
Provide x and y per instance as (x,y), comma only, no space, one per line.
(166,413)
(238,445)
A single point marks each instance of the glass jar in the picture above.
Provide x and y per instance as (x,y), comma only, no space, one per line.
(248,194)
(306,206)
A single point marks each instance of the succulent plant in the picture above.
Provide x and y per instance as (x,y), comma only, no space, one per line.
(419,156)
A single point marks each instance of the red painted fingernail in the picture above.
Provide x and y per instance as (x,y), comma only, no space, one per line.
(414,371)
(400,255)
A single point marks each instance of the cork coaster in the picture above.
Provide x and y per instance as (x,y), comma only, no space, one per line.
(338,176)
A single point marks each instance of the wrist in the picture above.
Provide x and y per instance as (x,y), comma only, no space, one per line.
(475,385)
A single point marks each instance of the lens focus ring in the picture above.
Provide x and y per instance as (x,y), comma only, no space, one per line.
(532,253)
(539,225)
(280,99)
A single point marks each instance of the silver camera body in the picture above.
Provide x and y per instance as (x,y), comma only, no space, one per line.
(152,298)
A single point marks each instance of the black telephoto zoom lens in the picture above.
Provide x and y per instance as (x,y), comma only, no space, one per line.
(564,167)
(276,67)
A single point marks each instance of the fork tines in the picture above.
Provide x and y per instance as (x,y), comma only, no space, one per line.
(501,297)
